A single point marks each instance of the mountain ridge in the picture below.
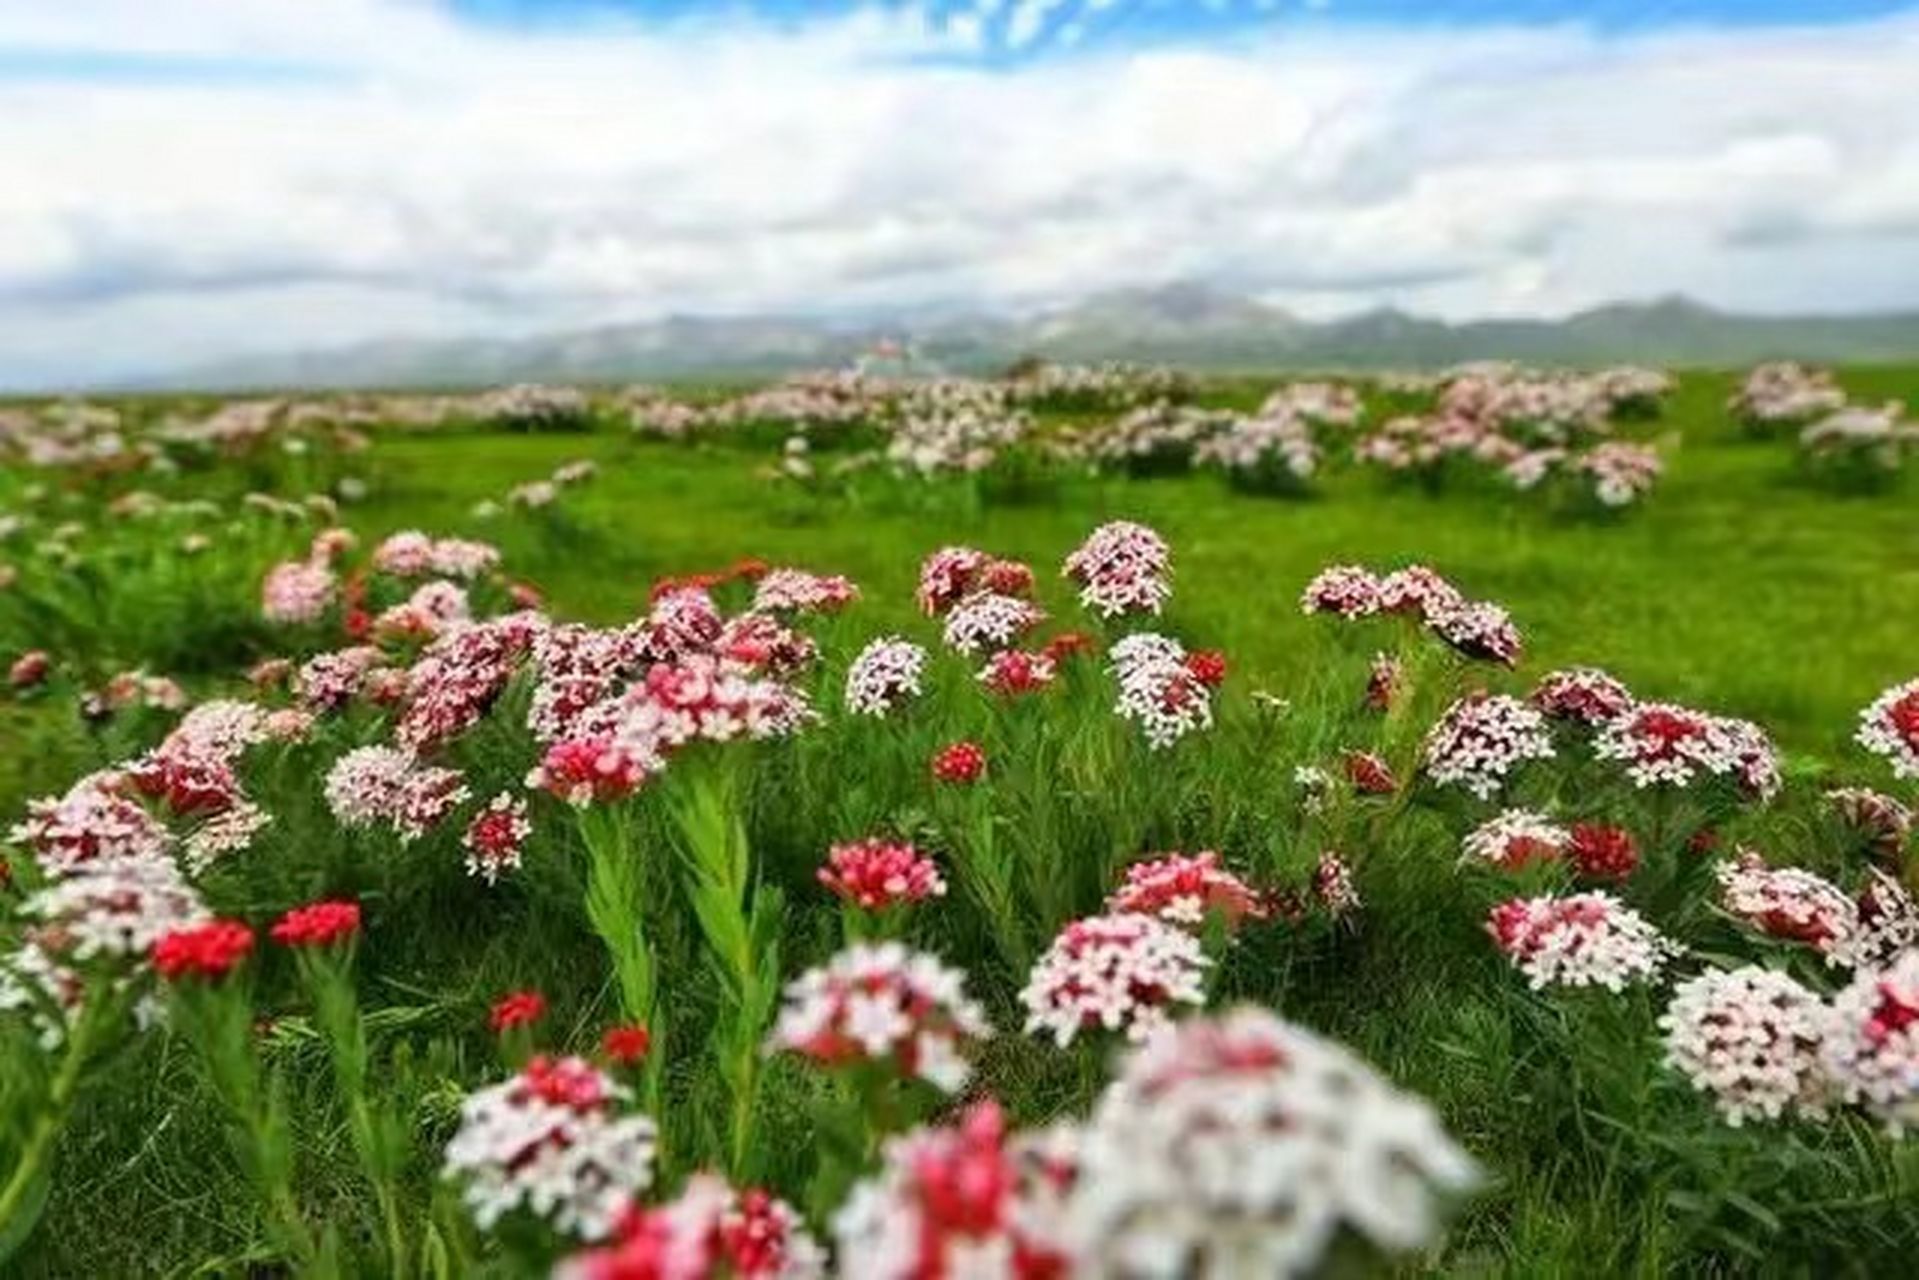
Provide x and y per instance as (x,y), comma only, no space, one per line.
(1188,325)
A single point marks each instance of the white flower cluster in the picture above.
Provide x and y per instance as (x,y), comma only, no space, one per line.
(1122,568)
(1784,393)
(987,620)
(1157,690)
(1273,449)
(1482,739)
(885,674)
(1749,1037)
(1582,940)
(384,786)
(954,433)
(1660,743)
(550,1142)
(884,1003)
(1120,972)
(1245,1146)
(1890,727)
(1516,838)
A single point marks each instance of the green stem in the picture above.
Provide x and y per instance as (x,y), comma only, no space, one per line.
(53,1117)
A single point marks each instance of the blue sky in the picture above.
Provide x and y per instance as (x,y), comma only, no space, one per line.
(194,179)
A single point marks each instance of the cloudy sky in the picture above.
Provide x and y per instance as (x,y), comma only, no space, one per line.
(183,180)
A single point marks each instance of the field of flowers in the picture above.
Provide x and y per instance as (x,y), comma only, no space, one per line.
(1081,823)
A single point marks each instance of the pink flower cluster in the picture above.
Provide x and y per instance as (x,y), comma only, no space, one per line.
(1122,568)
(496,837)
(1516,839)
(797,591)
(875,874)
(387,787)
(1122,972)
(1477,629)
(1663,744)
(1890,728)
(883,1004)
(707,1232)
(1482,739)
(1186,890)
(1585,939)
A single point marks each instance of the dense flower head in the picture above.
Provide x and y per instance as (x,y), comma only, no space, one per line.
(1581,695)
(1157,690)
(514,1010)
(1789,903)
(875,873)
(1186,890)
(1370,774)
(1013,672)
(406,554)
(384,786)
(298,592)
(701,698)
(328,681)
(1479,630)
(496,836)
(1584,939)
(1208,666)
(1750,1038)
(459,676)
(1515,839)
(586,770)
(761,642)
(626,1044)
(886,673)
(318,924)
(1121,972)
(959,1200)
(1243,1145)
(797,591)
(1663,744)
(1482,739)
(1599,851)
(1871,1045)
(961,763)
(883,1004)
(948,576)
(1347,590)
(708,1232)
(578,667)
(682,622)
(1881,823)
(1122,568)
(1333,885)
(1890,727)
(112,908)
(549,1142)
(433,609)
(1419,591)
(207,951)
(1888,921)
(29,669)
(986,621)
(97,820)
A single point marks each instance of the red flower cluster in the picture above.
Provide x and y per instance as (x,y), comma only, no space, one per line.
(318,924)
(29,669)
(626,1044)
(1370,775)
(208,951)
(961,763)
(519,1009)
(1602,852)
(875,874)
(1208,666)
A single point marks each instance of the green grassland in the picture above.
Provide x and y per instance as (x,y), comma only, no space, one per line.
(1737,587)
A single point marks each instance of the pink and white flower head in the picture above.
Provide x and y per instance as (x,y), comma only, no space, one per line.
(1186,890)
(329,545)
(578,667)
(1516,839)
(1890,728)
(1158,690)
(1881,823)
(1888,922)
(1334,887)
(297,593)
(1663,744)
(875,874)
(1122,972)
(1347,590)
(592,769)
(1482,739)
(797,591)
(1243,1145)
(433,609)
(550,1142)
(1011,673)
(96,821)
(1582,940)
(459,677)
(407,554)
(704,699)
(886,673)
(682,622)
(463,559)
(761,642)
(1789,903)
(986,622)
(1871,1045)
(1750,1038)
(496,837)
(1582,696)
(708,1232)
(383,786)
(966,1199)
(947,577)
(1419,591)
(1480,630)
(329,681)
(884,1004)
(116,909)
(1122,568)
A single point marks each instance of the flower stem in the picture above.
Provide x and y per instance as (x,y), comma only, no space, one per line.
(53,1117)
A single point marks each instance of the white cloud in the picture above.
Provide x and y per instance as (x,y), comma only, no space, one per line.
(428,175)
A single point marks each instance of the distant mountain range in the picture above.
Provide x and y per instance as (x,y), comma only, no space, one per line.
(1189,326)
